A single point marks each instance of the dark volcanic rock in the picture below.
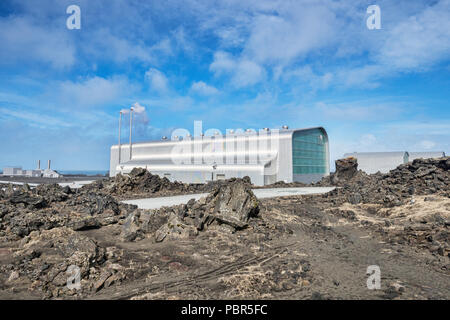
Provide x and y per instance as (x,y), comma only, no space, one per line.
(232,204)
(420,177)
(140,182)
(52,192)
(346,168)
(29,200)
(50,206)
(46,257)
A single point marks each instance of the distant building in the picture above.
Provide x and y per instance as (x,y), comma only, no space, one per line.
(12,171)
(32,173)
(372,162)
(49,173)
(426,155)
(18,172)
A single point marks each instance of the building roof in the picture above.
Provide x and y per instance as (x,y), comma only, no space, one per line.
(427,154)
(240,133)
(377,154)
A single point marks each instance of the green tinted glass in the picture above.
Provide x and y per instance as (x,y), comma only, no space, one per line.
(309,152)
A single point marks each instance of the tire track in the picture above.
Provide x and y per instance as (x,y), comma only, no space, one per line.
(184,282)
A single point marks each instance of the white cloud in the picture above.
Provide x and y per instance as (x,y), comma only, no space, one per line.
(23,41)
(104,45)
(243,72)
(427,144)
(35,118)
(367,140)
(420,40)
(93,91)
(298,29)
(356,111)
(248,73)
(223,63)
(305,74)
(158,81)
(202,88)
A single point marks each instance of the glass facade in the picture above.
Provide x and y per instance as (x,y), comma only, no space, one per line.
(309,152)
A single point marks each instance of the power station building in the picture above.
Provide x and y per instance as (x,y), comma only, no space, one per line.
(38,172)
(266,156)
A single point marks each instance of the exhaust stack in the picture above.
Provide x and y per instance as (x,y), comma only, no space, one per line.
(39,165)
(131,128)
(120,125)
(48,164)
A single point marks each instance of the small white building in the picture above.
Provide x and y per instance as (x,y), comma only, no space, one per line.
(12,171)
(426,155)
(372,162)
(49,173)
(32,173)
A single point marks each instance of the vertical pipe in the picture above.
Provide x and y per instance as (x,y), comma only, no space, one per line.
(39,165)
(48,164)
(131,127)
(120,125)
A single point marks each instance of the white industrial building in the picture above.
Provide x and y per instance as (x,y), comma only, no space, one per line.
(266,156)
(372,162)
(426,155)
(12,171)
(18,172)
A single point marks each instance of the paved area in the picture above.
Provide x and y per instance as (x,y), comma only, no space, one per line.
(73,184)
(156,203)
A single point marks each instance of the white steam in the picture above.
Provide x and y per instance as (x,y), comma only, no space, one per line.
(137,108)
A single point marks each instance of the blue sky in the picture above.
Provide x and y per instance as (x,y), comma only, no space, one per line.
(231,64)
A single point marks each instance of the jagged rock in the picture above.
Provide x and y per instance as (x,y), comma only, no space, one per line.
(131,228)
(346,168)
(84,223)
(50,206)
(175,229)
(233,204)
(102,279)
(354,198)
(52,192)
(420,177)
(27,199)
(46,256)
(94,203)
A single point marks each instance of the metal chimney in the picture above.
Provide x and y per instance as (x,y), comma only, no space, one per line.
(120,126)
(131,128)
(39,165)
(48,164)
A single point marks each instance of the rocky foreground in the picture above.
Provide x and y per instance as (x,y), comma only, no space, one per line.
(231,244)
